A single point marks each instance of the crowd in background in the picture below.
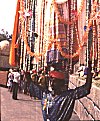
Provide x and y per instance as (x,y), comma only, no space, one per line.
(26,81)
(19,81)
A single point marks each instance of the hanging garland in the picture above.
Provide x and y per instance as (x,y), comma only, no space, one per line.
(84,38)
(22,20)
(76,14)
(51,41)
(24,34)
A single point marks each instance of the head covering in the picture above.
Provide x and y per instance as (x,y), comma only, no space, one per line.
(57,74)
(33,71)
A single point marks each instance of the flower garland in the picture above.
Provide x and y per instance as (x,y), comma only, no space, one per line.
(77,14)
(24,33)
(22,20)
(51,41)
(84,38)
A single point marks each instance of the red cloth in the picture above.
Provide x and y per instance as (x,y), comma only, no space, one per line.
(57,74)
(33,71)
(12,57)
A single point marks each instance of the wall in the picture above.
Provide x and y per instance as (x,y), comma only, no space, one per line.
(87,108)
(3,78)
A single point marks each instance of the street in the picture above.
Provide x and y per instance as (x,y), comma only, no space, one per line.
(24,109)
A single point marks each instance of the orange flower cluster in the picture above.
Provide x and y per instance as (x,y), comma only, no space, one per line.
(51,41)
(85,36)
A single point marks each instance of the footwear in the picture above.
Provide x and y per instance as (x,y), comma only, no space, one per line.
(15,99)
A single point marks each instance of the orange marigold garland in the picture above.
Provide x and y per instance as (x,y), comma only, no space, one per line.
(51,41)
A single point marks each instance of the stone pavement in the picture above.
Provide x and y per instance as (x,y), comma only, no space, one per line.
(24,109)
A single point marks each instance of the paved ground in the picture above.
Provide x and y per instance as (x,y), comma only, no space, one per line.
(24,109)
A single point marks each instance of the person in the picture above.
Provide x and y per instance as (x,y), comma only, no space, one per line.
(85,71)
(60,106)
(42,80)
(22,80)
(15,83)
(10,80)
(81,70)
(34,76)
(27,82)
(33,81)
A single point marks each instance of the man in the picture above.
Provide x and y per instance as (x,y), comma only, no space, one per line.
(60,107)
(15,83)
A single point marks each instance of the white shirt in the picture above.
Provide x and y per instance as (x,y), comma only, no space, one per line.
(16,77)
(10,76)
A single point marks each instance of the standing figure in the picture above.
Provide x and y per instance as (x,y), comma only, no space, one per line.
(59,107)
(15,83)
(27,82)
(22,80)
(10,80)
(43,81)
(33,81)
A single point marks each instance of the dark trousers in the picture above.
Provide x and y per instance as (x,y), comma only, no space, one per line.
(15,90)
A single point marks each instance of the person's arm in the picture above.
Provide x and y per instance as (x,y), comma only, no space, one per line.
(84,90)
(89,77)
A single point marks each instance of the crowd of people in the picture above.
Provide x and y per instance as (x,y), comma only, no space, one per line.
(57,102)
(23,82)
